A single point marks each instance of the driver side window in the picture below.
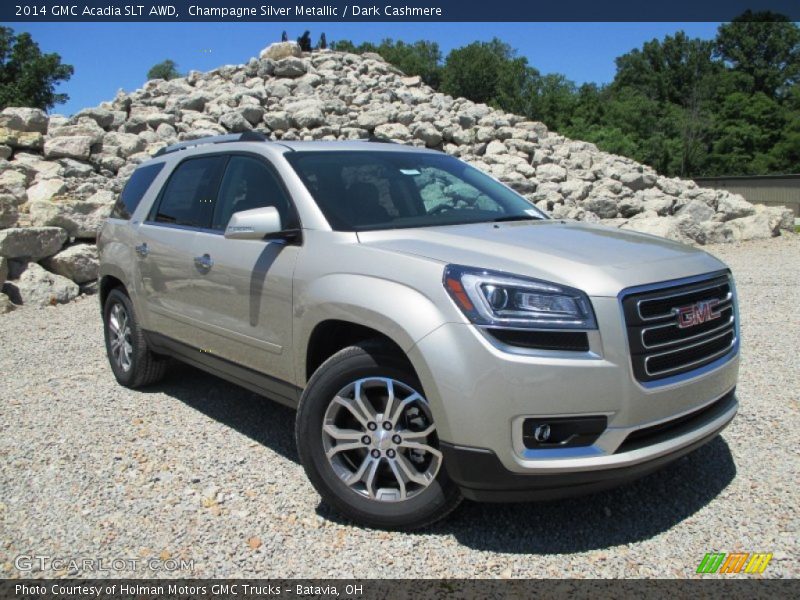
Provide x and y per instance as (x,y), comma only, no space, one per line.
(248,183)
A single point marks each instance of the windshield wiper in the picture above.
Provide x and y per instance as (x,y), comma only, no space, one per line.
(516,218)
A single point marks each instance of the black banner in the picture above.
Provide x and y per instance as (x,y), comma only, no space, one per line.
(388,10)
(263,589)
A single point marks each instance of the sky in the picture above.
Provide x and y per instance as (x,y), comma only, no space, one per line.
(110,56)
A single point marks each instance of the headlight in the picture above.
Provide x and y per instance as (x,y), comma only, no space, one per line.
(498,299)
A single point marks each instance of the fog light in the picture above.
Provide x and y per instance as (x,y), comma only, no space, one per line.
(562,432)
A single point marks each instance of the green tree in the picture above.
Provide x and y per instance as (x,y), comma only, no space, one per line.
(28,77)
(490,72)
(166,69)
(765,48)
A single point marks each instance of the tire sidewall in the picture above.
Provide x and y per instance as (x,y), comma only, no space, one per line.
(118,297)
(339,371)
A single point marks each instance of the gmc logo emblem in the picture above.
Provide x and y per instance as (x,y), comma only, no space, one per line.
(697,313)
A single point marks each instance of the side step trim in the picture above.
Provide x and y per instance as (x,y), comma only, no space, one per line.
(278,390)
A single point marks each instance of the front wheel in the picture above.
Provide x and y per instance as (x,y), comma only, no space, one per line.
(132,362)
(368,443)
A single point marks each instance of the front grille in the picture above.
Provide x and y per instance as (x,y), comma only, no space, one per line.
(660,347)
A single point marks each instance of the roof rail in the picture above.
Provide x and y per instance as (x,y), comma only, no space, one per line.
(247,136)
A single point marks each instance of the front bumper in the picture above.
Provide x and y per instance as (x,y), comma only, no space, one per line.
(480,395)
(482,477)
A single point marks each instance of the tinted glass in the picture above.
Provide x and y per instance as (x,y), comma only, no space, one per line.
(188,197)
(134,191)
(248,183)
(388,190)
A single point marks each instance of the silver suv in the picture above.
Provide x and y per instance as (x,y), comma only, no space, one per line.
(439,335)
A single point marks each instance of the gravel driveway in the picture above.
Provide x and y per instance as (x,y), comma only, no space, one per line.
(198,469)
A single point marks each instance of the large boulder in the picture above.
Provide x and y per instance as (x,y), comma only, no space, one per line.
(38,287)
(305,113)
(290,68)
(78,263)
(280,50)
(77,147)
(24,119)
(80,219)
(666,227)
(3,270)
(45,190)
(34,243)
(733,206)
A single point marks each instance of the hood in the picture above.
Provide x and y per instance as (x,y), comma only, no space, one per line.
(597,259)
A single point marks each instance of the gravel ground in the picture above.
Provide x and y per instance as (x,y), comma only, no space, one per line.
(197,469)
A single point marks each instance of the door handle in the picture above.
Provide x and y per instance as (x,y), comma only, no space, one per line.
(142,250)
(204,263)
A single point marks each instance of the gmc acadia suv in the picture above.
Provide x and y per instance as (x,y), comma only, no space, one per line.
(439,335)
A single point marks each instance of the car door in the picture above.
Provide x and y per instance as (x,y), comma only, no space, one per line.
(165,240)
(241,290)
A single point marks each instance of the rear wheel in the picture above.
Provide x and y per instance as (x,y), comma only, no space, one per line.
(368,442)
(133,363)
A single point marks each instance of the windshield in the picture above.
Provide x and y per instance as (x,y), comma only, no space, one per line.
(359,191)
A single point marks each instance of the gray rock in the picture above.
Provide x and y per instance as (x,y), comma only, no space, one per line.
(235,122)
(428,134)
(277,121)
(666,227)
(80,219)
(551,172)
(697,210)
(77,147)
(78,263)
(3,270)
(393,131)
(290,68)
(305,113)
(280,50)
(24,119)
(9,213)
(102,116)
(374,118)
(45,190)
(38,287)
(605,208)
(6,305)
(733,206)
(638,181)
(31,242)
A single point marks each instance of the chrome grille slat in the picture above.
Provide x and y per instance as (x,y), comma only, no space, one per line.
(706,358)
(725,326)
(659,347)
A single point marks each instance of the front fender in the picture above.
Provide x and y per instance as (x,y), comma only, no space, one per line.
(399,312)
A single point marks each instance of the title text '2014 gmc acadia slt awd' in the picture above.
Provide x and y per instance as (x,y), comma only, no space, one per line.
(439,335)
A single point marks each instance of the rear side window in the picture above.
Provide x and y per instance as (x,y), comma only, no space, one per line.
(188,198)
(134,191)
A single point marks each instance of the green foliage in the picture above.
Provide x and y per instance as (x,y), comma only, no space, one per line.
(166,69)
(765,48)
(490,72)
(28,77)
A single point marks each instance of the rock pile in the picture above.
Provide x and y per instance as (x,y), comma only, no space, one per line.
(60,176)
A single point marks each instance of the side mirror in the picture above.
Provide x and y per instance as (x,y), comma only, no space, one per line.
(253,224)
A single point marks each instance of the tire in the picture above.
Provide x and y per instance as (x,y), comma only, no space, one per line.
(133,363)
(375,496)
